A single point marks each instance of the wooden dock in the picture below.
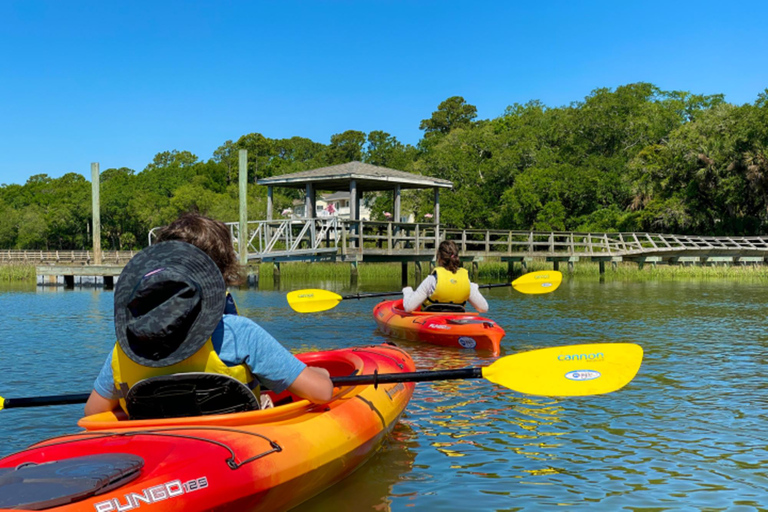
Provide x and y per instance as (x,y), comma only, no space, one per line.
(71,276)
(354,242)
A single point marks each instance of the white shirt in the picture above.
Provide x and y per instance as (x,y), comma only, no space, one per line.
(413,299)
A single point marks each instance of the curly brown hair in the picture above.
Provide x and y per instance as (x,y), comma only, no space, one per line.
(448,256)
(210,236)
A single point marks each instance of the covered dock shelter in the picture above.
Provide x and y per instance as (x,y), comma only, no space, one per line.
(355,177)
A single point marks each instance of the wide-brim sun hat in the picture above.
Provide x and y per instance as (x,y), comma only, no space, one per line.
(169,298)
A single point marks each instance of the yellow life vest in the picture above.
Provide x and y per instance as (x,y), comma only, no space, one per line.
(126,372)
(451,288)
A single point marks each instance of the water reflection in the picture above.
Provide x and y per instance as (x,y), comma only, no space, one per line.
(689,433)
(371,486)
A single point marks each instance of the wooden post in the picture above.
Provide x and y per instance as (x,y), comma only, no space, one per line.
(404,273)
(269,202)
(253,277)
(96,205)
(397,203)
(437,218)
(354,214)
(242,239)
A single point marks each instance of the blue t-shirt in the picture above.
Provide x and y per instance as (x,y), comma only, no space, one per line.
(236,340)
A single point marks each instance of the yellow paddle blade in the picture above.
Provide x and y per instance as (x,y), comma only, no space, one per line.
(2,403)
(543,281)
(573,370)
(312,300)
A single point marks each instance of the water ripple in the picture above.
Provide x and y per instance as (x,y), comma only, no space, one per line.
(689,433)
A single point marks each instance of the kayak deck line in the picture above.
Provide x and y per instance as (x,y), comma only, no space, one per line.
(165,432)
(397,362)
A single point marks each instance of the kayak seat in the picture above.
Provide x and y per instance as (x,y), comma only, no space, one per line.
(31,486)
(444,308)
(188,394)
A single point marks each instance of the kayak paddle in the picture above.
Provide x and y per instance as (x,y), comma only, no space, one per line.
(572,370)
(315,300)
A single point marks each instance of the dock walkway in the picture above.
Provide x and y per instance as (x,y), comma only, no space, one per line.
(354,242)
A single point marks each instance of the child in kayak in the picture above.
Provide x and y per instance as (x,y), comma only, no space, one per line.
(171,317)
(447,287)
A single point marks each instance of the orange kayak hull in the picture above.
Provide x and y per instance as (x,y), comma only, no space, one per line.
(271,459)
(459,330)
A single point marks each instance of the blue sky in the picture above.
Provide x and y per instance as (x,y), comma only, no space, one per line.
(117,82)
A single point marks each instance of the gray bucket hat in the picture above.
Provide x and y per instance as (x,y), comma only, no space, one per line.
(168,301)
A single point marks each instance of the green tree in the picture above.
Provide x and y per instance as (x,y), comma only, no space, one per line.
(451,113)
(385,150)
(345,147)
(118,219)
(8,227)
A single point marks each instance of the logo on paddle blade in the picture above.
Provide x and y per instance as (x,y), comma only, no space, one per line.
(467,342)
(546,285)
(582,375)
(597,356)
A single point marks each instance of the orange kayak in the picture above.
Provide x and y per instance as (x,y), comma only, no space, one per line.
(461,330)
(271,459)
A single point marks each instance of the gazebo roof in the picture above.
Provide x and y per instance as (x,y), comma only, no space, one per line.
(367,177)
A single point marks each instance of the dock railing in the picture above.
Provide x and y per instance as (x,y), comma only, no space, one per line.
(332,236)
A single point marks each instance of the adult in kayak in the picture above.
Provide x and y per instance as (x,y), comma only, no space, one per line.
(447,288)
(171,317)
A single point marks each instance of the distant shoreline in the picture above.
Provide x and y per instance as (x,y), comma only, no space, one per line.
(487,271)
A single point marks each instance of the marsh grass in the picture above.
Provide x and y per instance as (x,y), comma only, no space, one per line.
(487,271)
(15,272)
(496,271)
(631,272)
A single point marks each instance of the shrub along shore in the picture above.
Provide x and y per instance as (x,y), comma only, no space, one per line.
(488,271)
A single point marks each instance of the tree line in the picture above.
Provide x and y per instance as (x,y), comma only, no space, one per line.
(634,158)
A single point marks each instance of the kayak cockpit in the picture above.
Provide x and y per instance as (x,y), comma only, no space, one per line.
(287,405)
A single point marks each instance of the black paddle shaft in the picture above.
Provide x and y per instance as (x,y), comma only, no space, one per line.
(351,380)
(497,285)
(385,378)
(390,294)
(39,401)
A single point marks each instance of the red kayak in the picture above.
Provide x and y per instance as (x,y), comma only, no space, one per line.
(466,330)
(271,459)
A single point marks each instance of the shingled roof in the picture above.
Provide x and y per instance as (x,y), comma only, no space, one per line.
(367,177)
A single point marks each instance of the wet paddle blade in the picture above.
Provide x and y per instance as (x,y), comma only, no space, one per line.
(573,370)
(543,281)
(312,300)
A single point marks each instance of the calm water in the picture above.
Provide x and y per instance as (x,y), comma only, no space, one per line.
(689,433)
